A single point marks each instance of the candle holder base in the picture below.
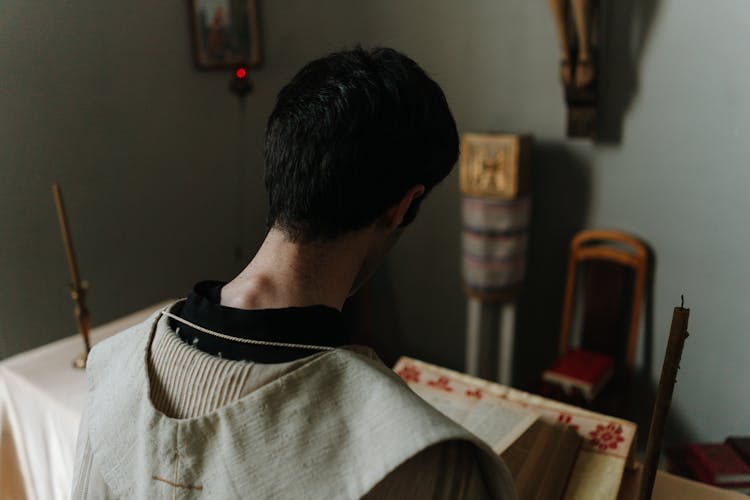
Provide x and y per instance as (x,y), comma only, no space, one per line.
(80,361)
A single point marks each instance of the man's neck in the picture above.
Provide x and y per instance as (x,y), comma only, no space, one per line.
(287,274)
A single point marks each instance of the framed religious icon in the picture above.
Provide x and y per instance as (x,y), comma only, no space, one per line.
(494,165)
(225,33)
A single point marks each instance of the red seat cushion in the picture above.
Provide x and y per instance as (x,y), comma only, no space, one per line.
(586,371)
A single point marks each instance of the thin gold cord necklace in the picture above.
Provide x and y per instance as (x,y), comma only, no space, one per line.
(265,343)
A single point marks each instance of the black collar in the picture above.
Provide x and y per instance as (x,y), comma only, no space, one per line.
(313,325)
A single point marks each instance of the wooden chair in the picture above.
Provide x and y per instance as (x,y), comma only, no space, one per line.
(611,267)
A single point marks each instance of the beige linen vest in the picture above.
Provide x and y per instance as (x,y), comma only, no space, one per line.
(332,428)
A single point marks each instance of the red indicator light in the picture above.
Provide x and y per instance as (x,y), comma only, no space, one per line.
(240,73)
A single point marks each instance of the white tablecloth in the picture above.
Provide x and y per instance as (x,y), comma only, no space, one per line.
(41,400)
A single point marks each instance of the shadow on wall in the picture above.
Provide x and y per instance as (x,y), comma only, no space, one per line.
(627,26)
(560,200)
(642,390)
(371,315)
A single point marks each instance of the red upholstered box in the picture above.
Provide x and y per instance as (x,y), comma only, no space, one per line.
(586,371)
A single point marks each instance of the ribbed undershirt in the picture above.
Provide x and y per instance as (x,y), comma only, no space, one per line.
(187,383)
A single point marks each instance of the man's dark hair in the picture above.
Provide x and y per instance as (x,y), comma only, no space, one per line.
(349,136)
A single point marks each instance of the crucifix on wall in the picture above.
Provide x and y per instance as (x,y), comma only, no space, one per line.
(577,25)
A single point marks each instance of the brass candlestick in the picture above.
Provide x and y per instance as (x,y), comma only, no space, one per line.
(78,288)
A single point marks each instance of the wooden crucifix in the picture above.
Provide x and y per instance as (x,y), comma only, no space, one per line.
(577,25)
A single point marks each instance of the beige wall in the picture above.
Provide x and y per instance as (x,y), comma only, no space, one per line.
(104,98)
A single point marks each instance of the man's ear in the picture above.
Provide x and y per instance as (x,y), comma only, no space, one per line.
(395,215)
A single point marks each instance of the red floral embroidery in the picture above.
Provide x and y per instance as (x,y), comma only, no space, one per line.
(567,419)
(607,436)
(564,418)
(409,373)
(441,383)
(475,393)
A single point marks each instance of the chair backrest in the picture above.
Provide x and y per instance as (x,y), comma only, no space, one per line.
(613,269)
